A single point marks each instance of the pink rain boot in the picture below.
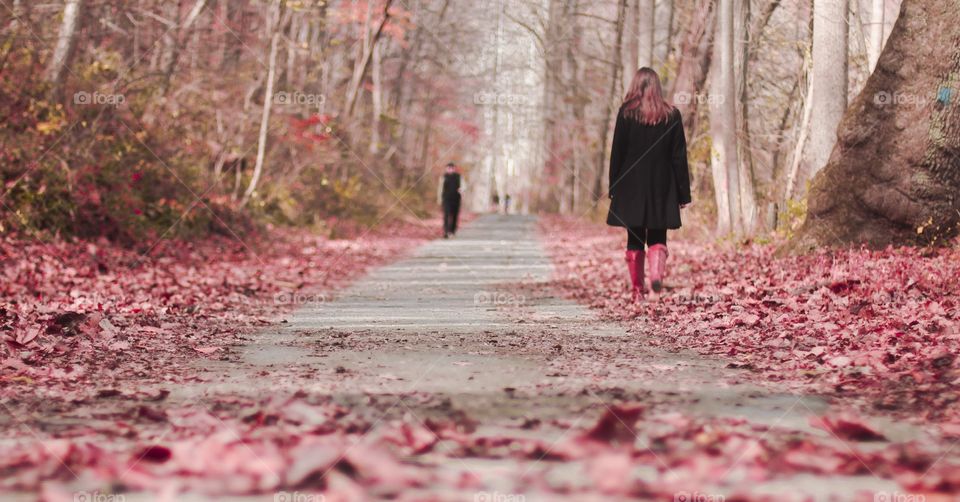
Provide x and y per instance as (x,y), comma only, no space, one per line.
(635,260)
(658,266)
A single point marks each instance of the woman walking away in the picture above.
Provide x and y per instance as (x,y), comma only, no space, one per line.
(649,179)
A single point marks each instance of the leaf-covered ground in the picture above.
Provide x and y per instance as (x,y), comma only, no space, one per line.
(83,413)
(877,325)
(77,317)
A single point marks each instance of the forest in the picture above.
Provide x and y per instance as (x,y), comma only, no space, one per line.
(120,122)
(227,267)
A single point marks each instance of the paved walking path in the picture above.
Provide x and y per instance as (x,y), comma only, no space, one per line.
(467,323)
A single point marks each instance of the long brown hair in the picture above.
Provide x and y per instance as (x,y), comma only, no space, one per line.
(644,102)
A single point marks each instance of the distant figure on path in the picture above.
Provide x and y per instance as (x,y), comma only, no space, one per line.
(649,178)
(450,187)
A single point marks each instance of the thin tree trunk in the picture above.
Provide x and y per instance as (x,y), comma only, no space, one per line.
(360,69)
(174,40)
(66,42)
(723,117)
(803,134)
(743,39)
(664,30)
(608,116)
(632,52)
(646,31)
(16,12)
(267,105)
(875,45)
(377,100)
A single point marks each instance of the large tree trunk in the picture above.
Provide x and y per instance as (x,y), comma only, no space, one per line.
(894,176)
(66,41)
(830,45)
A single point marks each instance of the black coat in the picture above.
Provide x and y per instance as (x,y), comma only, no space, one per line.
(649,178)
(451,190)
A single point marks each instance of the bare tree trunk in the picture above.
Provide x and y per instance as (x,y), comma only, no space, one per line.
(16,12)
(377,100)
(664,30)
(646,31)
(695,62)
(551,94)
(66,42)
(743,39)
(875,45)
(830,45)
(803,134)
(267,106)
(723,120)
(360,68)
(632,53)
(579,111)
(894,175)
(611,109)
(174,40)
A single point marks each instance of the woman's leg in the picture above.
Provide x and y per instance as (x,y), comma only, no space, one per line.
(655,236)
(635,257)
(657,240)
(636,238)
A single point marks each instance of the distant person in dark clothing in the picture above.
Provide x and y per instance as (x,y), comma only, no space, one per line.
(451,185)
(649,178)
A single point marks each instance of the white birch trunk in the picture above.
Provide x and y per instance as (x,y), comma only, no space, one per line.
(802,135)
(265,117)
(830,46)
(646,29)
(748,200)
(877,20)
(723,123)
(66,41)
(376,73)
(631,54)
(664,31)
